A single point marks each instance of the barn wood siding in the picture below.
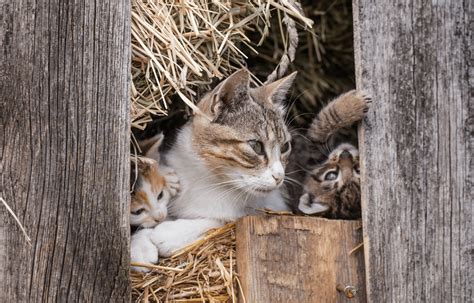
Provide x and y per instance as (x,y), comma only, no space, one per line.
(415,58)
(64,155)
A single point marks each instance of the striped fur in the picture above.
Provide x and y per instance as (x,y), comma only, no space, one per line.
(332,131)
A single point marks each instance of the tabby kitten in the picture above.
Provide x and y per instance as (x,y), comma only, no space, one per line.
(331,187)
(230,159)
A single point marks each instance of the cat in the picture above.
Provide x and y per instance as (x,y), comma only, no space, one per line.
(331,185)
(230,159)
(152,186)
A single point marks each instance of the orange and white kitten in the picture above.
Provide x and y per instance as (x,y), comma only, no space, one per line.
(230,159)
(153,186)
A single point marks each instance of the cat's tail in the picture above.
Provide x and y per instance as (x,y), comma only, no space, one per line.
(340,113)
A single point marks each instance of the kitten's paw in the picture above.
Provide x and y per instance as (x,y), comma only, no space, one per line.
(309,205)
(172,182)
(143,250)
(358,103)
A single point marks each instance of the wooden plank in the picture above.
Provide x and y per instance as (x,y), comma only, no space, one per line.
(64,155)
(415,59)
(299,259)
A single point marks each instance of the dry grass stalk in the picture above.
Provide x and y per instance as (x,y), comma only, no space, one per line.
(202,272)
(17,220)
(179,47)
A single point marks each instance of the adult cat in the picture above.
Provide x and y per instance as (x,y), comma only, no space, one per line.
(230,160)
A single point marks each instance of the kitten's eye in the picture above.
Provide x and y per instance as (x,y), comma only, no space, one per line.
(257,147)
(330,176)
(138,211)
(285,147)
(160,195)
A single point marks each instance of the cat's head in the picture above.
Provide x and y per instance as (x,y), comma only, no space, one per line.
(333,188)
(241,133)
(149,197)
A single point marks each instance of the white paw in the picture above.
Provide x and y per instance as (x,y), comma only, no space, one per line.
(143,250)
(310,205)
(168,239)
(171,236)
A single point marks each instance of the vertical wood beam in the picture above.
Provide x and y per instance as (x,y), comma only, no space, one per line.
(64,155)
(417,148)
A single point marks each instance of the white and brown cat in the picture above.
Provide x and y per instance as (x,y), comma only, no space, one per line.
(230,159)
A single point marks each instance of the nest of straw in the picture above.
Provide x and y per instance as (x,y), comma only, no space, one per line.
(201,272)
(180,47)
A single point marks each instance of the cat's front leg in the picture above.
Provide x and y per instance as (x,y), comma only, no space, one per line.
(171,236)
(275,201)
(143,250)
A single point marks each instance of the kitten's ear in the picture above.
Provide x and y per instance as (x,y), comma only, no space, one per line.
(150,147)
(275,92)
(311,206)
(235,86)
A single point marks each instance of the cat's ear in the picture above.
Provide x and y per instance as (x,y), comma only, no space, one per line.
(150,147)
(275,92)
(230,90)
(311,206)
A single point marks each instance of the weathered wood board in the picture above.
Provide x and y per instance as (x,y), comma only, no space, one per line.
(65,69)
(417,148)
(299,259)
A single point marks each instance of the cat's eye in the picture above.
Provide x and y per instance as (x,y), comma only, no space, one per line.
(257,147)
(160,195)
(285,147)
(138,211)
(331,176)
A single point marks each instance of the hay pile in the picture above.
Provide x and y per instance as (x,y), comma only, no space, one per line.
(201,272)
(180,47)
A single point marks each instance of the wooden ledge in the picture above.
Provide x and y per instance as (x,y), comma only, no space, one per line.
(299,259)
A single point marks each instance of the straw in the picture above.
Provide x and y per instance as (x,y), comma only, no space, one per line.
(180,47)
(201,272)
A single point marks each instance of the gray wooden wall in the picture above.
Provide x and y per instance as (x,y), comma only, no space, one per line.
(64,150)
(415,58)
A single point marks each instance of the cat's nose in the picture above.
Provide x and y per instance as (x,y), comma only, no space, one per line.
(345,155)
(278,178)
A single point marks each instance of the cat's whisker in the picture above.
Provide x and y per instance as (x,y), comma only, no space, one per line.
(292,182)
(296,171)
(295,117)
(288,110)
(302,136)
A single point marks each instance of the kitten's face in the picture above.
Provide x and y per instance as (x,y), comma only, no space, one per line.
(246,144)
(333,189)
(149,198)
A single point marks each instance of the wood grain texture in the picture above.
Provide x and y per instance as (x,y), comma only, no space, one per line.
(415,59)
(299,259)
(64,155)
